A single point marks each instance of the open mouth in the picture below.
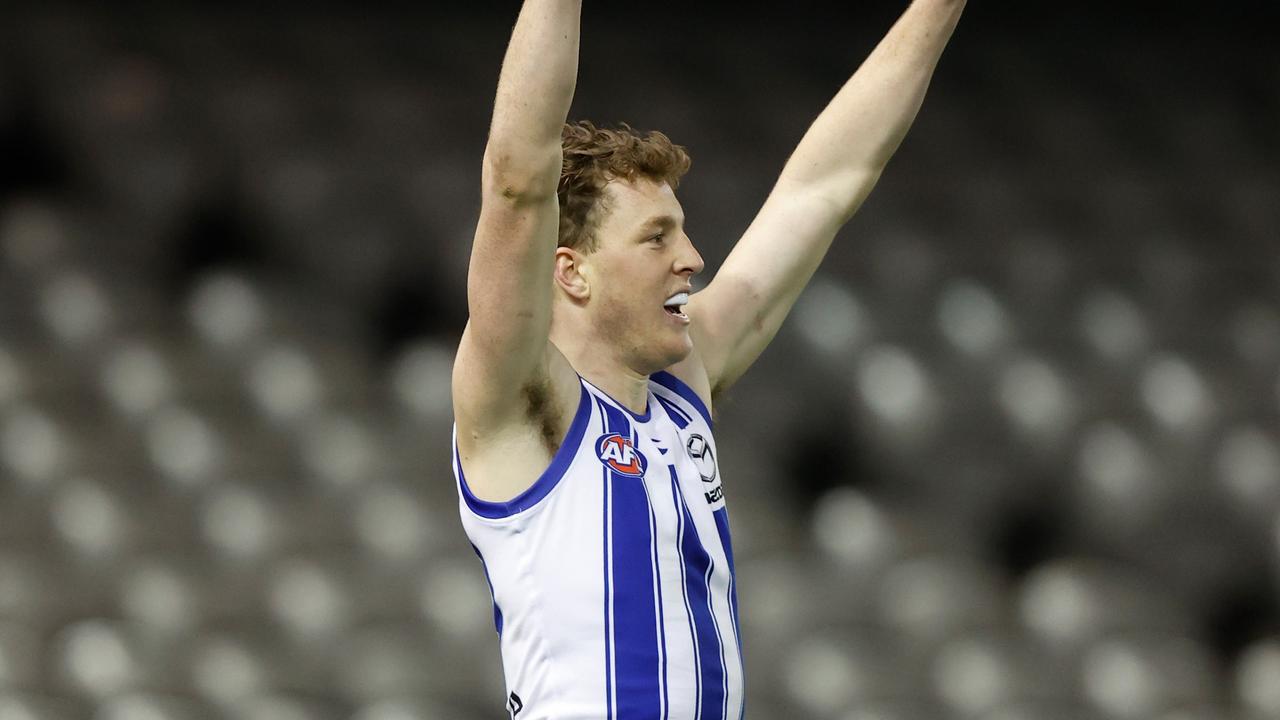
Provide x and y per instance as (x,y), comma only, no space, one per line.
(675,304)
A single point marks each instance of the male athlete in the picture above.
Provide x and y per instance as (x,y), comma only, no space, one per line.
(586,375)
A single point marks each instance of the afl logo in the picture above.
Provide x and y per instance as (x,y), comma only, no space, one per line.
(620,455)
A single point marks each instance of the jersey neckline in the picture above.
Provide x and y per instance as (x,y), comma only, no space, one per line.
(648,402)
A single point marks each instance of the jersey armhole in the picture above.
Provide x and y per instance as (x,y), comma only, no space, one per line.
(678,386)
(545,483)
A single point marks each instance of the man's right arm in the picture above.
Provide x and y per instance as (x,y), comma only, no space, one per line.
(504,346)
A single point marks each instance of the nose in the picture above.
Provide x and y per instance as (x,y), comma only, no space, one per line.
(689,260)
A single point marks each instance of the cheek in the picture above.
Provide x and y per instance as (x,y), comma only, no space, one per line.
(617,314)
(628,318)
(631,300)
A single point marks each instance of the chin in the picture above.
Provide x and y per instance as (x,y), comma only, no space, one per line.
(674,354)
(685,350)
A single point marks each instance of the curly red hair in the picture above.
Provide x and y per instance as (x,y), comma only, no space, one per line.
(593,156)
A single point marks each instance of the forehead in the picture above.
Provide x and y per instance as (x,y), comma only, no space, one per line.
(631,204)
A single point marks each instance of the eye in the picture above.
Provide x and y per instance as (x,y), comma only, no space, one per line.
(657,238)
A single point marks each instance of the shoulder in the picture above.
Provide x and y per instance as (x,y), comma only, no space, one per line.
(503,453)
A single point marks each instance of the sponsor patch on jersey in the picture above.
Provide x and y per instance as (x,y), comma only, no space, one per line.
(704,458)
(620,455)
(700,451)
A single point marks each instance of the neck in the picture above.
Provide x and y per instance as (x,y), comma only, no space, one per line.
(625,385)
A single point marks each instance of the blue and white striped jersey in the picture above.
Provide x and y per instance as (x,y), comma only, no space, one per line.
(612,575)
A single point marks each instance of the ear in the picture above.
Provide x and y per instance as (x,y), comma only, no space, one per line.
(572,274)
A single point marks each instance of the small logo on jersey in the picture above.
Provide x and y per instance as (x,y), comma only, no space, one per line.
(620,455)
(514,705)
(700,450)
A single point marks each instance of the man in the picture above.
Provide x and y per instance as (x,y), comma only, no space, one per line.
(587,372)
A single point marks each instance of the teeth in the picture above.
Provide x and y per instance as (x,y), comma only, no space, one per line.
(678,299)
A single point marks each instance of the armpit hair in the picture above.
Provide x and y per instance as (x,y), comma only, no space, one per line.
(540,405)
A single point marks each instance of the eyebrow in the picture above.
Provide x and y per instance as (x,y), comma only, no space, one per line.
(662,221)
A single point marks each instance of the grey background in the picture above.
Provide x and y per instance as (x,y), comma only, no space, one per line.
(1013,456)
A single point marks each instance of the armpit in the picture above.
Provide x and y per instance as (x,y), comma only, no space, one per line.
(541,408)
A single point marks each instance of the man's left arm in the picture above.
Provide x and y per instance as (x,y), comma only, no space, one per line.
(822,185)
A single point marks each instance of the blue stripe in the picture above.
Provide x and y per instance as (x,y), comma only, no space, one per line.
(684,585)
(497,611)
(678,416)
(608,592)
(722,527)
(662,622)
(724,673)
(545,482)
(698,570)
(677,386)
(635,621)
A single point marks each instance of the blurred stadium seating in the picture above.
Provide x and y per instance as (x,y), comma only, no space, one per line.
(1016,456)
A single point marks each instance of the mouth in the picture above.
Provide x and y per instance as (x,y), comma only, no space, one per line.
(674,306)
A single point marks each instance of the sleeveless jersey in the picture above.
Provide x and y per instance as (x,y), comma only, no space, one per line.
(612,575)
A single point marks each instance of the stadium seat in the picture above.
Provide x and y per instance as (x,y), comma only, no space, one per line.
(224,481)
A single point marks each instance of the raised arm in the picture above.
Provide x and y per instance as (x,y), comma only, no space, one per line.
(823,184)
(509,279)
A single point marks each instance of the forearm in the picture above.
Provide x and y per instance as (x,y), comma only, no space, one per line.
(847,147)
(827,178)
(535,89)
